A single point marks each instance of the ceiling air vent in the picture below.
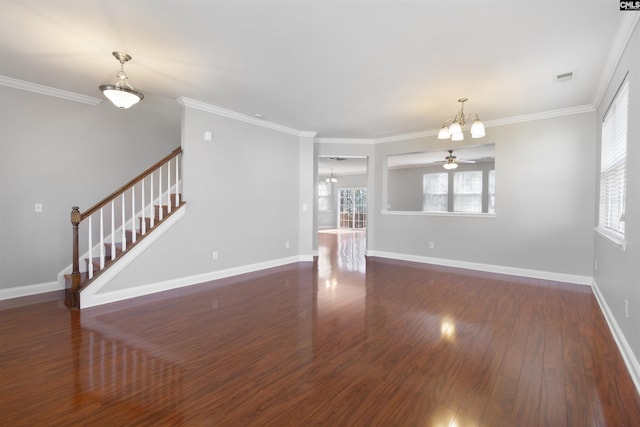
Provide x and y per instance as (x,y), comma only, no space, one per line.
(564,77)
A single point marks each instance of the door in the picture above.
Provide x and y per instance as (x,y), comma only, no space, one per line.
(353,208)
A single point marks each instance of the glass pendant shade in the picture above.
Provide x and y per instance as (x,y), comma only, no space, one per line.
(444,133)
(477,129)
(121,97)
(458,136)
(450,165)
(121,94)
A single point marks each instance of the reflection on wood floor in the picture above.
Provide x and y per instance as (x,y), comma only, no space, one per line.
(346,341)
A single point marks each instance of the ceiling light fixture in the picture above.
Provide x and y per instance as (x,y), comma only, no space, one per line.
(454,130)
(450,163)
(332,178)
(121,94)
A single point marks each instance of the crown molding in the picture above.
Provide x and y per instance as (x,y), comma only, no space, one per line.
(230,114)
(407,136)
(498,122)
(362,141)
(628,25)
(48,91)
(540,116)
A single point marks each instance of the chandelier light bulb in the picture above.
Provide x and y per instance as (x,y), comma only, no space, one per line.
(455,129)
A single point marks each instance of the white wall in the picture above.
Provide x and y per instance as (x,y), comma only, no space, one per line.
(62,153)
(544,202)
(618,274)
(243,201)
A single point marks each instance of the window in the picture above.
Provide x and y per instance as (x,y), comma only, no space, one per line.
(324,196)
(467,191)
(613,159)
(492,191)
(435,192)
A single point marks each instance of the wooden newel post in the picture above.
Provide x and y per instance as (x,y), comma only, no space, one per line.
(73,297)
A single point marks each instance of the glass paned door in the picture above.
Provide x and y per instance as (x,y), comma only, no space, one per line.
(353,208)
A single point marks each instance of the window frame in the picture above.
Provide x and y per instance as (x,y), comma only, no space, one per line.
(613,166)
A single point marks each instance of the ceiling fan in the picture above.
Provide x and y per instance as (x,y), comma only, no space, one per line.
(451,161)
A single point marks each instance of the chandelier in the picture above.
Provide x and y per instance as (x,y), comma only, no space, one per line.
(121,94)
(331,178)
(453,128)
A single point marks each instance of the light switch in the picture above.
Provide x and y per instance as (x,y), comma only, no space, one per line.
(38,208)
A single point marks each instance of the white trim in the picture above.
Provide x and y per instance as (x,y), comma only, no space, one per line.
(451,214)
(361,141)
(540,116)
(24,291)
(611,237)
(500,269)
(48,91)
(407,136)
(138,291)
(633,366)
(129,256)
(498,122)
(625,31)
(223,112)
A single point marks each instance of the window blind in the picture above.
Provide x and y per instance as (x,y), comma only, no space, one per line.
(613,160)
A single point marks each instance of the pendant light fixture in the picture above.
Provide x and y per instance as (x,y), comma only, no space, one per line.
(453,128)
(331,178)
(121,94)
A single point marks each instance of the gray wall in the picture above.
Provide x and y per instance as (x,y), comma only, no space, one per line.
(544,202)
(618,273)
(242,199)
(62,153)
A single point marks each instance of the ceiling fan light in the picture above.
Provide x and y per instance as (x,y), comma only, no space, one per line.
(450,165)
(444,133)
(121,97)
(477,129)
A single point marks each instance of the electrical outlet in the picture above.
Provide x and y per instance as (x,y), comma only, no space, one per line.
(286,244)
(431,246)
(214,255)
(596,265)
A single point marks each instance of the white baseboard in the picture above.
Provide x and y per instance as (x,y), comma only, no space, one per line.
(95,299)
(24,291)
(633,366)
(513,271)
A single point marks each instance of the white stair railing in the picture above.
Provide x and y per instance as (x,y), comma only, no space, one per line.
(119,226)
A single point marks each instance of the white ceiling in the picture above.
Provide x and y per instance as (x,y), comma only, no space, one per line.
(343,68)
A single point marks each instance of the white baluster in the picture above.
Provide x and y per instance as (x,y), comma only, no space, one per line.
(144,222)
(101,240)
(177,189)
(124,229)
(160,191)
(133,214)
(113,230)
(169,186)
(153,214)
(90,246)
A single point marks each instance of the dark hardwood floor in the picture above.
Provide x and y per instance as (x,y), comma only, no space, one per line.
(347,343)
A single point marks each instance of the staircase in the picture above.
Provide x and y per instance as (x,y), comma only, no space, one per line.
(120,221)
